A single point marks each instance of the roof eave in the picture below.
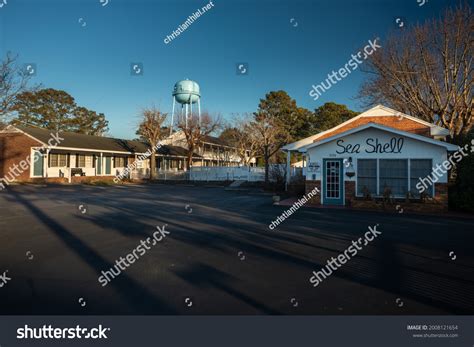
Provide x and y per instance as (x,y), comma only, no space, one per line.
(447,146)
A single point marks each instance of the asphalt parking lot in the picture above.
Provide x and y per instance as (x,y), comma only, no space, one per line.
(220,257)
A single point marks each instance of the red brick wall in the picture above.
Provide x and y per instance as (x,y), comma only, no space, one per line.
(80,179)
(15,147)
(310,185)
(403,124)
(441,193)
(349,189)
(59,180)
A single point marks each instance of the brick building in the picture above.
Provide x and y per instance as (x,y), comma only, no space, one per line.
(29,154)
(378,151)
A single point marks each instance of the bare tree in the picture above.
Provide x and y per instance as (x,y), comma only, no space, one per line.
(246,139)
(428,72)
(271,134)
(151,129)
(13,81)
(195,129)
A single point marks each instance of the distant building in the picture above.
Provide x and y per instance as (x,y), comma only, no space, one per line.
(212,152)
(79,156)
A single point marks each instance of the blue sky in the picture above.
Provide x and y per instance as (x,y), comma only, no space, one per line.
(92,61)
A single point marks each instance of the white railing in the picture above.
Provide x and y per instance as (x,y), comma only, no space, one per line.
(138,174)
(172,175)
(223,173)
(218,173)
(160,174)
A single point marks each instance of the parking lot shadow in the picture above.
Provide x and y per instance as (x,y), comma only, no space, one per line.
(130,291)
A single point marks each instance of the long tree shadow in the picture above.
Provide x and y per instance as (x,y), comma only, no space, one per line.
(379,266)
(134,293)
(202,275)
(383,270)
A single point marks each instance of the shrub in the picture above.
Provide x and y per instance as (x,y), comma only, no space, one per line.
(366,193)
(387,196)
(461,191)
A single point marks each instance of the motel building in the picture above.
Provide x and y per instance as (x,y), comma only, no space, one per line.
(380,150)
(79,157)
(212,151)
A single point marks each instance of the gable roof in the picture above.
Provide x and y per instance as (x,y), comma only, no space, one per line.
(448,146)
(395,122)
(378,111)
(97,143)
(179,136)
(81,141)
(175,151)
(215,141)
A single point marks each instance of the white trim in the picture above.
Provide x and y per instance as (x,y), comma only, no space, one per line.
(93,150)
(343,169)
(378,176)
(446,145)
(409,174)
(219,145)
(118,152)
(435,130)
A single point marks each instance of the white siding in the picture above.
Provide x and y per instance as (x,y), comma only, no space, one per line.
(412,149)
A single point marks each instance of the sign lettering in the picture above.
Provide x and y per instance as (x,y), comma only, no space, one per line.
(374,145)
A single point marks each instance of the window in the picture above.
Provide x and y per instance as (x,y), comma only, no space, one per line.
(367,176)
(419,169)
(394,176)
(119,162)
(89,161)
(81,161)
(58,160)
(84,160)
(53,160)
(332,179)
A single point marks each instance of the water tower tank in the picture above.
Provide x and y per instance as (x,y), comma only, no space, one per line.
(186,92)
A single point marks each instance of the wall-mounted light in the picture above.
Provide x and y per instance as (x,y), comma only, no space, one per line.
(350,172)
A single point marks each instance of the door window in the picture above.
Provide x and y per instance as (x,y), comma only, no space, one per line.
(333,179)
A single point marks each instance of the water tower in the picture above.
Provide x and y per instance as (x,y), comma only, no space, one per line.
(186,93)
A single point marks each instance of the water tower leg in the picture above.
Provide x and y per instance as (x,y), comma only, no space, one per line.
(199,110)
(172,116)
(182,113)
(186,115)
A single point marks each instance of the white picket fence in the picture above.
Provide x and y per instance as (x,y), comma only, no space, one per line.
(166,175)
(221,173)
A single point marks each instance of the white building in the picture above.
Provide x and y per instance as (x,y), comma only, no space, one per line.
(213,151)
(380,150)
